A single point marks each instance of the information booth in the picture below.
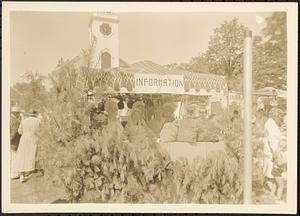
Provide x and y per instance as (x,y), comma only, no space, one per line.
(182,87)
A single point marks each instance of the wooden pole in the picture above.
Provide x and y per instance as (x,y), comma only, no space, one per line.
(247,118)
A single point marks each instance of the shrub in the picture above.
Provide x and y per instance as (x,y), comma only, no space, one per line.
(94,166)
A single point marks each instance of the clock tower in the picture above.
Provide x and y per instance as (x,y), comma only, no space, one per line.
(105,39)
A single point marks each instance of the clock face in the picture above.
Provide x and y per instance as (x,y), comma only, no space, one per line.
(105,29)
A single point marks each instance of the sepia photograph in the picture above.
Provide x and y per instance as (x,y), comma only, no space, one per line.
(123,104)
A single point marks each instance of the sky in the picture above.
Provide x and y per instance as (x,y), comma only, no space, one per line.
(40,39)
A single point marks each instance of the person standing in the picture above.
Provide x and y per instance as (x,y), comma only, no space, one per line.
(168,110)
(260,104)
(157,122)
(280,163)
(113,131)
(272,138)
(123,112)
(15,119)
(25,157)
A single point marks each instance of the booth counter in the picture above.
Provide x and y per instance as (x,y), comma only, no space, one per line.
(190,151)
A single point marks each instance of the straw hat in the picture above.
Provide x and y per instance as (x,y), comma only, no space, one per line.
(139,105)
(276,112)
(190,108)
(15,109)
(136,115)
(33,113)
(274,103)
(111,107)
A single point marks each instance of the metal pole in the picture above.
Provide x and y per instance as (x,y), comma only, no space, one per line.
(248,118)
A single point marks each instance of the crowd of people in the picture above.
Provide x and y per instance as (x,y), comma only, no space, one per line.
(132,109)
(128,116)
(271,122)
(160,116)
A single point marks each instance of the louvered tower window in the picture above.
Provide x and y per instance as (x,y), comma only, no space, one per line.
(105,60)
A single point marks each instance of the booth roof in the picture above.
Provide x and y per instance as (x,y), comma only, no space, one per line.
(144,67)
(122,76)
(151,67)
(79,61)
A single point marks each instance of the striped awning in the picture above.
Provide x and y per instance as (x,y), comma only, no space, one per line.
(121,79)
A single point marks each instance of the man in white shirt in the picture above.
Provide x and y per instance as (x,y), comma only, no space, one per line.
(123,112)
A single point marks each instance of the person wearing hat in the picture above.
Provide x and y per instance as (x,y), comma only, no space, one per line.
(260,104)
(98,116)
(187,127)
(26,153)
(113,130)
(158,121)
(123,111)
(15,119)
(168,112)
(191,111)
(271,142)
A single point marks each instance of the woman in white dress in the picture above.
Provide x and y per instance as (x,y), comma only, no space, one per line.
(272,131)
(25,157)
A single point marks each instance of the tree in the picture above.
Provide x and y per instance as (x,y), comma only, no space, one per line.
(31,94)
(225,50)
(270,54)
(199,64)
(176,66)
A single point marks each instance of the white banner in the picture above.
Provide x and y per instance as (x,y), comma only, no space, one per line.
(156,83)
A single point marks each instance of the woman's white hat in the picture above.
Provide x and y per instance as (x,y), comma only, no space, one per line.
(15,109)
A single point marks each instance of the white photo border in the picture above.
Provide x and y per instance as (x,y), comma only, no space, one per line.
(292,80)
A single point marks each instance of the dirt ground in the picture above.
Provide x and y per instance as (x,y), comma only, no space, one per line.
(35,190)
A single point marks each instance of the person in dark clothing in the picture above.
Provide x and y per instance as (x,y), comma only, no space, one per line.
(130,103)
(121,104)
(101,106)
(98,117)
(235,115)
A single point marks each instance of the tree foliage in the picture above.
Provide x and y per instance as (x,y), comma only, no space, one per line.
(198,64)
(225,50)
(270,53)
(225,54)
(108,167)
(31,94)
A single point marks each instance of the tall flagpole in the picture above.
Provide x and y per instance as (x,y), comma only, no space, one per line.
(248,118)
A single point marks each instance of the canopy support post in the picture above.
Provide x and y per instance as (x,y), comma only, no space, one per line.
(247,118)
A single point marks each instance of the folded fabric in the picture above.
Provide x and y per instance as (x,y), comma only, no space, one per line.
(169,132)
(207,136)
(187,130)
(206,131)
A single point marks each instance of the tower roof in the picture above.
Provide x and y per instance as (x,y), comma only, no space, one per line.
(104,17)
